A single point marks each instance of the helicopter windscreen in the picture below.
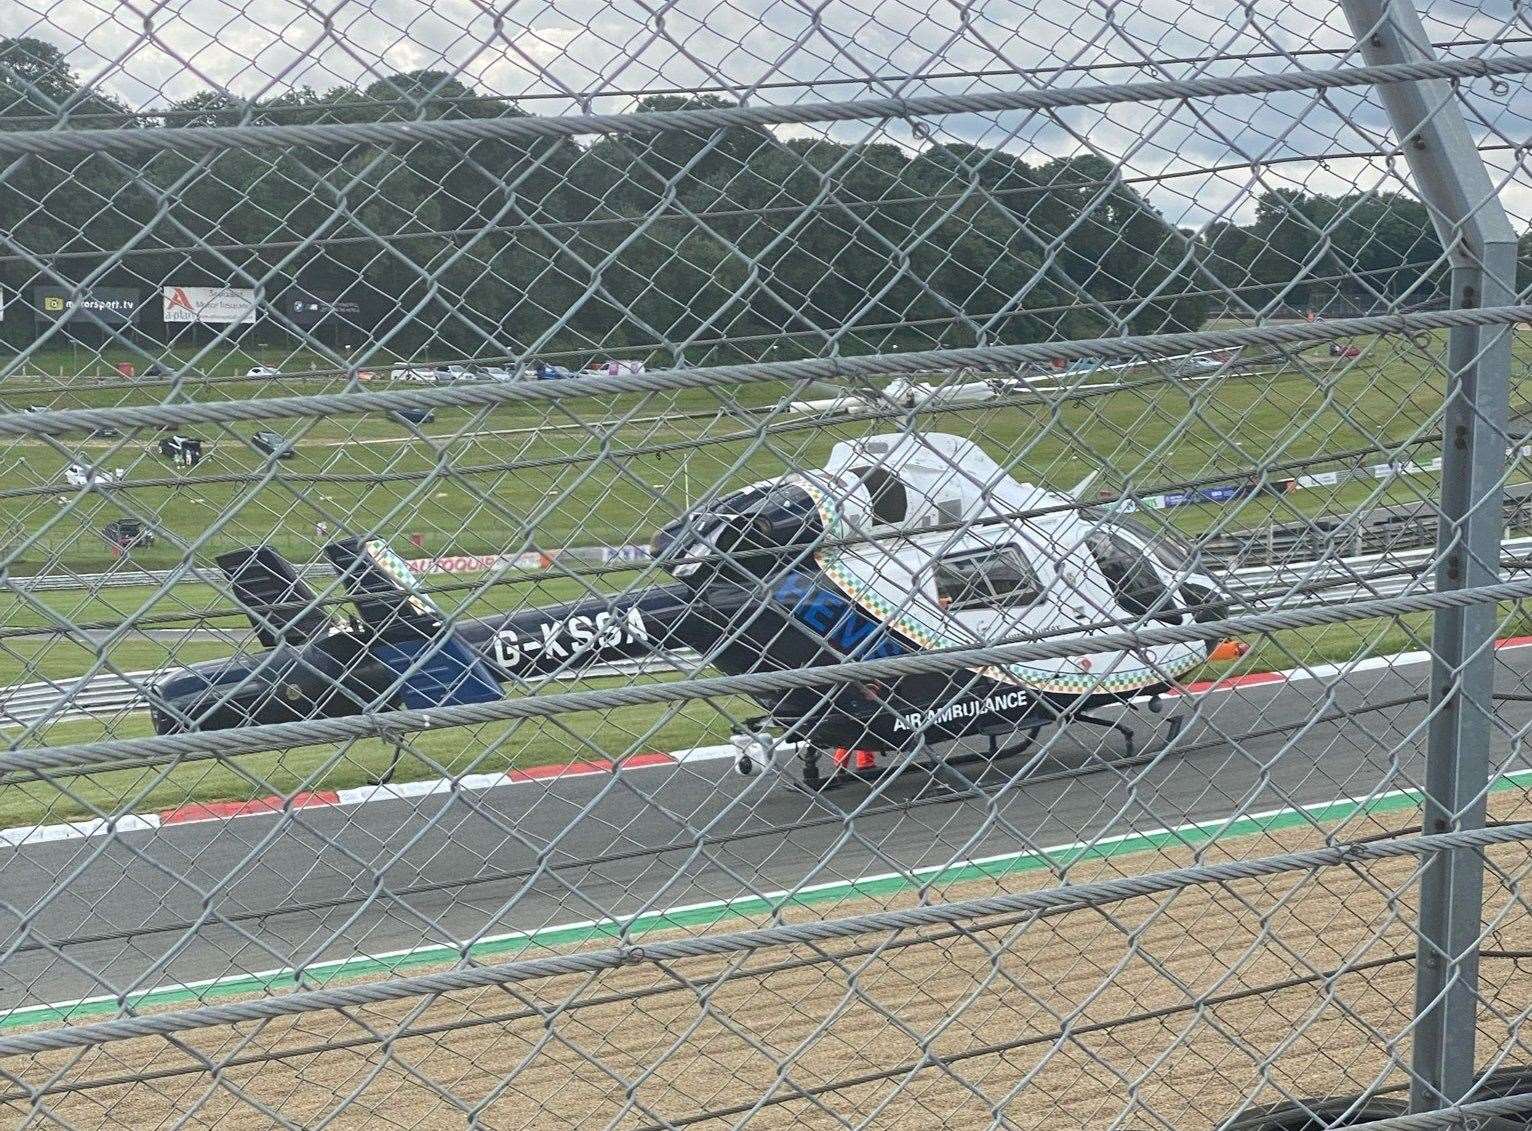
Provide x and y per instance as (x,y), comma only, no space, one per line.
(757,530)
(996,577)
(1130,574)
(1168,547)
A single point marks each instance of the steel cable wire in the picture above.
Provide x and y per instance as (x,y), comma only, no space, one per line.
(202,138)
(59,423)
(180,748)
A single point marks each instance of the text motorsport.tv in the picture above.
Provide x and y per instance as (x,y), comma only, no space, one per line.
(98,306)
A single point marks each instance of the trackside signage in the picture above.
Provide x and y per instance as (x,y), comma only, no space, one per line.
(101,306)
(210,305)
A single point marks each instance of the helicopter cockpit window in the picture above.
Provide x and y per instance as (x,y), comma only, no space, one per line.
(997,578)
(886,492)
(1130,574)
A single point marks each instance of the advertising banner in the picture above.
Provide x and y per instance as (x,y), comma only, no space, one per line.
(98,306)
(309,308)
(210,305)
(1319,479)
(478,563)
(1219,494)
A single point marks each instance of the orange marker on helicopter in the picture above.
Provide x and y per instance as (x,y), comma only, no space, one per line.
(1228,651)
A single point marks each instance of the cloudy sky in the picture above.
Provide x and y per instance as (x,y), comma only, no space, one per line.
(597,54)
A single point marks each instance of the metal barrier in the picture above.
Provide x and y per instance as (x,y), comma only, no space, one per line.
(1045,643)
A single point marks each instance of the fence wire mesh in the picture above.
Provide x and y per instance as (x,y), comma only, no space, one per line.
(618,564)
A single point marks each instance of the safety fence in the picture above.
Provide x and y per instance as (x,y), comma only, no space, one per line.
(742,566)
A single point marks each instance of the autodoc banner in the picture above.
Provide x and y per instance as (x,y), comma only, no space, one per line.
(478,563)
(217,305)
(99,306)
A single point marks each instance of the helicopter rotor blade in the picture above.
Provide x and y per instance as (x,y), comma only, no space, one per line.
(860,392)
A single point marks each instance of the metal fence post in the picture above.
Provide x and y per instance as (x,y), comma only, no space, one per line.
(1455,186)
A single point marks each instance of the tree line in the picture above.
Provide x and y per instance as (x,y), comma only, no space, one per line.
(686,247)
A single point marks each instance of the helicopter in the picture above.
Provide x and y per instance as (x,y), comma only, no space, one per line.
(899,544)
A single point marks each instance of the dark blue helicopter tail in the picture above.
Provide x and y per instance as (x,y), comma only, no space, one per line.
(400,650)
(406,632)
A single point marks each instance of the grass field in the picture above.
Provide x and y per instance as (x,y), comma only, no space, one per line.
(520,475)
(528,474)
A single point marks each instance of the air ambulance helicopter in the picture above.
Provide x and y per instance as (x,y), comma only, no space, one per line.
(900,544)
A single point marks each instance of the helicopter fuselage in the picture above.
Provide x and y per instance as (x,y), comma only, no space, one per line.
(867,560)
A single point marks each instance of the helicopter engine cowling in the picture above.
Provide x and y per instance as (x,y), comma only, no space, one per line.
(757,533)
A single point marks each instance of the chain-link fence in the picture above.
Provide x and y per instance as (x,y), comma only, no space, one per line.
(634,565)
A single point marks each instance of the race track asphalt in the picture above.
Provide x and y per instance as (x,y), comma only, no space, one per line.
(78,918)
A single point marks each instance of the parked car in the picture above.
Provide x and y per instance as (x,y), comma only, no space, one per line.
(273,444)
(84,475)
(263,371)
(497,373)
(413,415)
(127,533)
(1193,367)
(616,367)
(182,449)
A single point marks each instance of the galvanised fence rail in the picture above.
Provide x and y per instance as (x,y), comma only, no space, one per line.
(1049,645)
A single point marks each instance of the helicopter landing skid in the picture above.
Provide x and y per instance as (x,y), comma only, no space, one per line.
(813,777)
(1130,752)
(1129,739)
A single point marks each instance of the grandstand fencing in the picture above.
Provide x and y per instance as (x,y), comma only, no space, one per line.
(914,565)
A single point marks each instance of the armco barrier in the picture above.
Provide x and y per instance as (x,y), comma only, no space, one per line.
(450,563)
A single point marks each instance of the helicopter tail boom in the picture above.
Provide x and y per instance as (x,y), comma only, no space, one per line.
(402,651)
